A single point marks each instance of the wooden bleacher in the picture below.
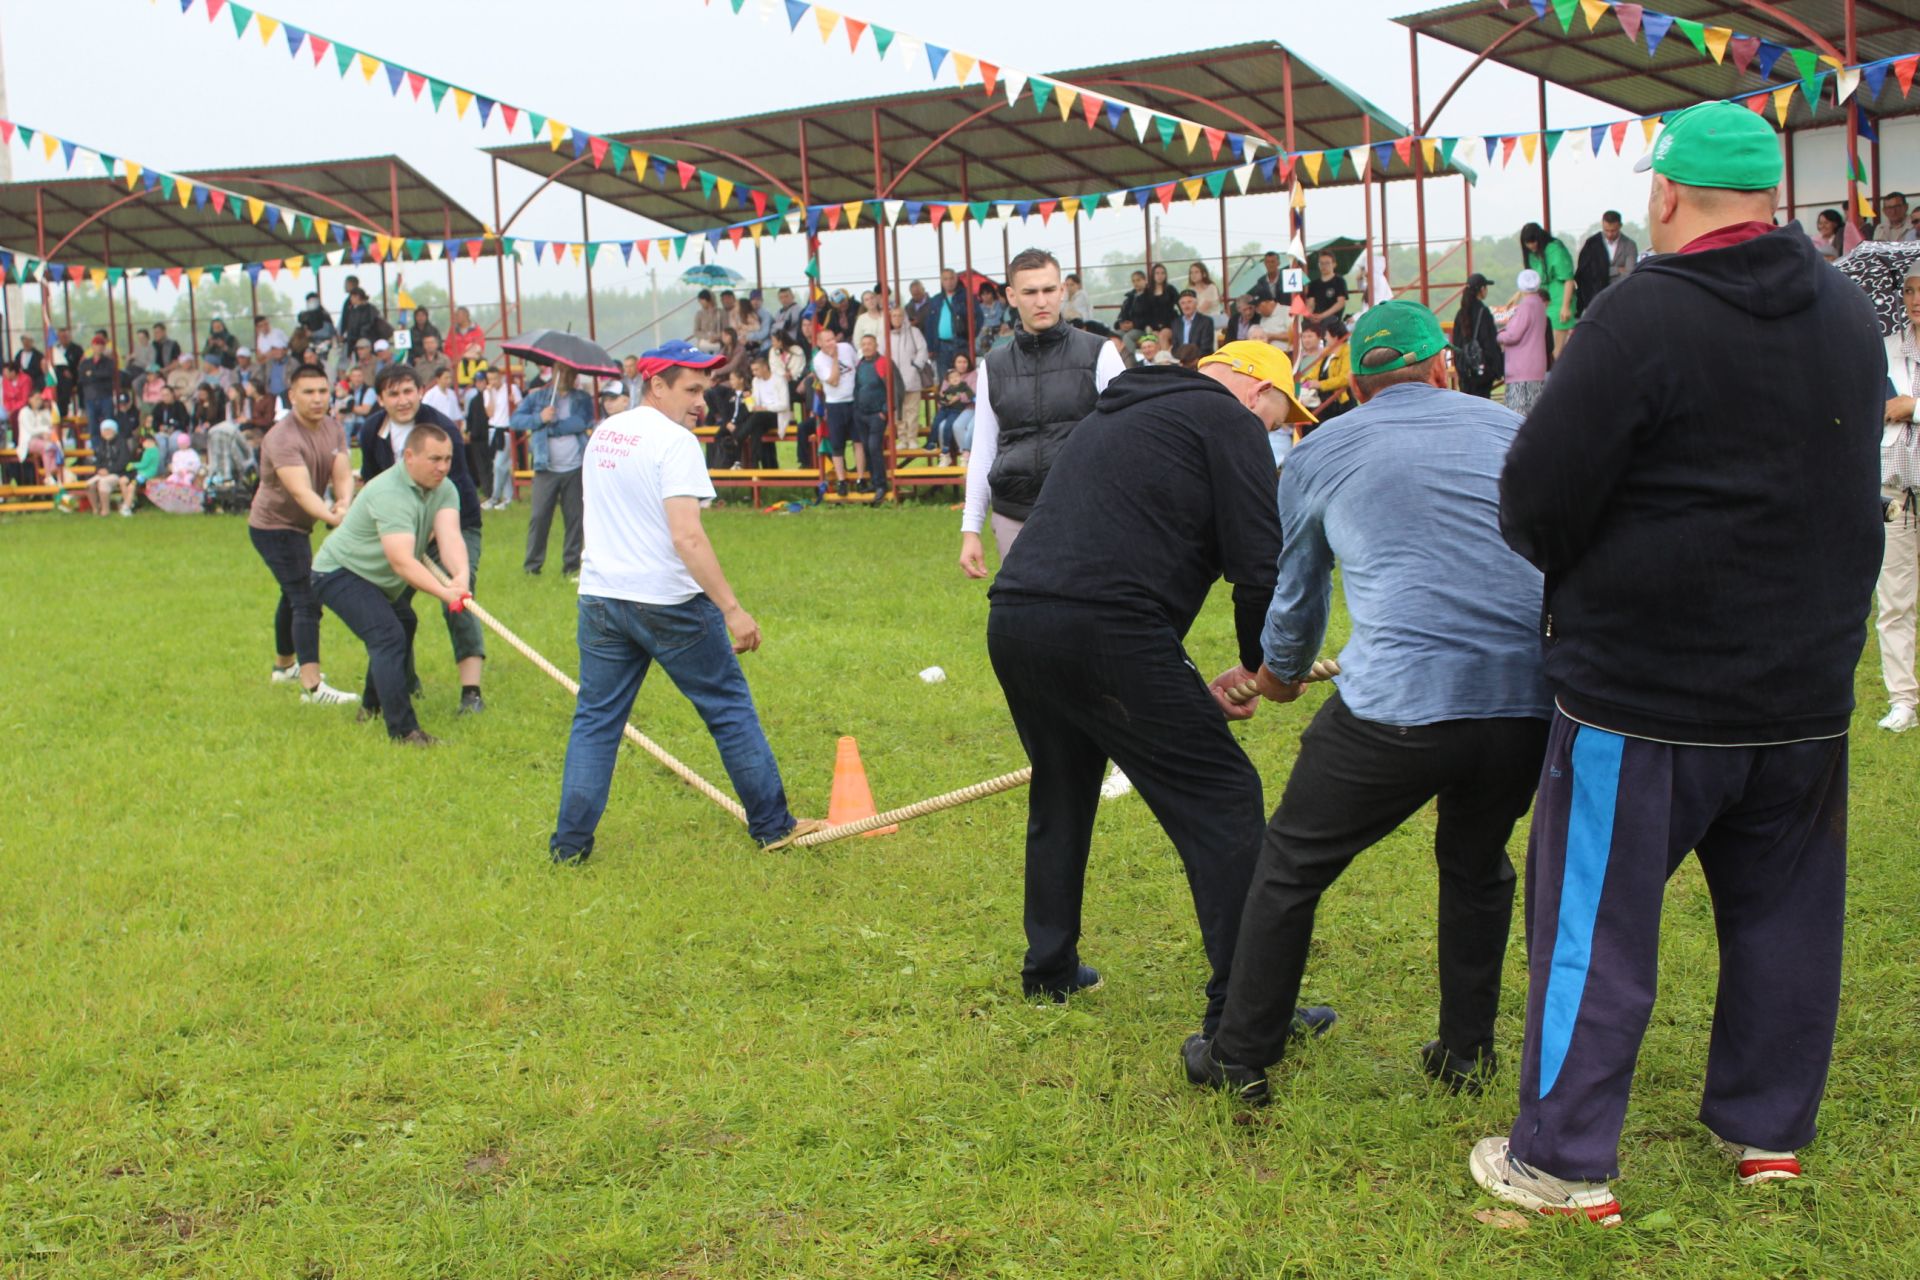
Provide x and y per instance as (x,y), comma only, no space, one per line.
(41,497)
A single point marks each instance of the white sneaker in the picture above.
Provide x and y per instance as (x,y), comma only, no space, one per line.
(1753,1165)
(1900,719)
(1506,1178)
(1116,785)
(487,505)
(126,511)
(325,695)
(288,675)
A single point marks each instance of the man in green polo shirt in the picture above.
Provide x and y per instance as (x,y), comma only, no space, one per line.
(365,567)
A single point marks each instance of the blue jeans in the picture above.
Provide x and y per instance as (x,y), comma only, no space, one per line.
(99,409)
(619,641)
(502,474)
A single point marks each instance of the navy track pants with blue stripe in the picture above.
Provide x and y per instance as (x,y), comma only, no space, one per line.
(1613,819)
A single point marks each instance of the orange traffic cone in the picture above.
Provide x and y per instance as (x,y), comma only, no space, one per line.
(852,798)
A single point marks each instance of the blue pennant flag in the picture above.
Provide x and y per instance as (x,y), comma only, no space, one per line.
(153,275)
(1237,143)
(1114,112)
(394,77)
(1382,156)
(626,252)
(1654,26)
(486,109)
(1764,58)
(796,10)
(1023,208)
(1875,75)
(201,195)
(55,272)
(295,38)
(913,211)
(253,272)
(579,144)
(1269,167)
(935,56)
(813,220)
(1599,134)
(1864,124)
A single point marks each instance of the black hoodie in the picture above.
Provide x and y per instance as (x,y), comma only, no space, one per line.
(1699,483)
(1167,485)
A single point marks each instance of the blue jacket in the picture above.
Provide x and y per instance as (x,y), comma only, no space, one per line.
(957,304)
(572,417)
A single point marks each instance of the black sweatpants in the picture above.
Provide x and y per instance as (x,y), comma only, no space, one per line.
(1085,687)
(296,619)
(386,627)
(1353,783)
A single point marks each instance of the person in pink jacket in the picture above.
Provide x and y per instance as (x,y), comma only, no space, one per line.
(1524,336)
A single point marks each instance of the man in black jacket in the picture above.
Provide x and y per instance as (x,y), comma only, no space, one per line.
(382,439)
(99,378)
(1704,506)
(112,460)
(1165,487)
(1190,328)
(1478,357)
(949,321)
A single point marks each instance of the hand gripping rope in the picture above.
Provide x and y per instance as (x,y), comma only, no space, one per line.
(1322,670)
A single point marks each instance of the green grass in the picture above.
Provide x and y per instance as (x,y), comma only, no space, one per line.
(280,1000)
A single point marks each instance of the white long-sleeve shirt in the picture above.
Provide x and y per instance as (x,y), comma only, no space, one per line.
(986,436)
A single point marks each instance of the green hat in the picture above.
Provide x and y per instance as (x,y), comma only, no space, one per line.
(1717,144)
(1401,325)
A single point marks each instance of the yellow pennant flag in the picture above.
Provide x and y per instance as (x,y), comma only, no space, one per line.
(184,190)
(1866,209)
(1783,101)
(193,276)
(723,188)
(99,276)
(1299,198)
(852,208)
(1191,132)
(133,174)
(664,248)
(255,207)
(369,67)
(557,132)
(461,101)
(575,251)
(1192,187)
(1313,161)
(1064,98)
(963,64)
(1529,145)
(1649,127)
(1595,10)
(756,230)
(267,26)
(1070,206)
(1716,38)
(320,229)
(640,162)
(1430,151)
(827,19)
(49,144)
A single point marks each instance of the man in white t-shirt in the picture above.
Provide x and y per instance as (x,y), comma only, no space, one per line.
(651,589)
(833,364)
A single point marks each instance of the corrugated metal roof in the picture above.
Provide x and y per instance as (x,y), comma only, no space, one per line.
(1008,153)
(1605,64)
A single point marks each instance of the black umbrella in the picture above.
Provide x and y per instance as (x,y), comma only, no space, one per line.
(1880,268)
(551,347)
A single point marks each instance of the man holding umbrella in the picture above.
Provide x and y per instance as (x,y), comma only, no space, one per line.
(557,419)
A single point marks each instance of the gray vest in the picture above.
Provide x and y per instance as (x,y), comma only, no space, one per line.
(1040,386)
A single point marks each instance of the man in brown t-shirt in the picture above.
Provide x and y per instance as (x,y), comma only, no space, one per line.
(302,454)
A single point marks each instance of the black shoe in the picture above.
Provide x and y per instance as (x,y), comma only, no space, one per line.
(366,713)
(471,704)
(865,486)
(1454,1073)
(1311,1021)
(571,857)
(1086,978)
(843,488)
(1249,1084)
(417,738)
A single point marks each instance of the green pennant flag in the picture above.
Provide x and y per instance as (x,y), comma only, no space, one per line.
(26,135)
(593,251)
(1564,10)
(506,245)
(1446,151)
(237,208)
(1166,130)
(241,17)
(344,55)
(1042,90)
(736,6)
(876,209)
(619,153)
(415,248)
(813,268)
(216,273)
(438,89)
(979,210)
(106,162)
(679,246)
(167,186)
(24,268)
(1216,182)
(1696,34)
(1553,140)
(316,260)
(781,204)
(1859,171)
(1334,155)
(303,227)
(881,39)
(115,275)
(536,124)
(706,185)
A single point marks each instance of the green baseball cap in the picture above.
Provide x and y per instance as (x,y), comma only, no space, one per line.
(1717,144)
(1401,325)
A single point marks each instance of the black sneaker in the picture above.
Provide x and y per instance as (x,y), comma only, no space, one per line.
(1311,1021)
(1249,1084)
(1086,978)
(471,703)
(1454,1073)
(842,488)
(865,486)
(571,857)
(417,738)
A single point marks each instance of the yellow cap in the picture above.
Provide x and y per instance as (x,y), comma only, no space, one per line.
(1269,364)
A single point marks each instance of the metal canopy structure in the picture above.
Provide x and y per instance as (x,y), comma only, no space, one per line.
(946,144)
(1604,64)
(383,192)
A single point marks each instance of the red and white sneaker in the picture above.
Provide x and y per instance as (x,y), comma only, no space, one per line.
(1518,1183)
(1753,1165)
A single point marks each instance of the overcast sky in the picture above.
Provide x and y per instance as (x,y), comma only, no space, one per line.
(136,78)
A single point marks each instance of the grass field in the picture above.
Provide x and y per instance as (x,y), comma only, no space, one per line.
(280,1000)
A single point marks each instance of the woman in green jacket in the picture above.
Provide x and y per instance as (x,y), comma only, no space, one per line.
(1552,260)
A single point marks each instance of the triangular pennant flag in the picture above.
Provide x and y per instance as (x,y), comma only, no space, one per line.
(1506,148)
(854,209)
(574,251)
(1805,61)
(295,38)
(1042,91)
(1618,131)
(882,39)
(1313,161)
(855,29)
(266,27)
(1382,156)
(396,76)
(68,148)
(723,188)
(892,210)
(415,83)
(1214,138)
(598,146)
(1335,158)
(1190,133)
(1757,103)
(461,101)
(796,10)
(1446,151)
(1142,121)
(153,276)
(1597,139)
(1845,81)
(735,232)
(1166,129)
(1564,10)
(49,144)
(593,251)
(1530,146)
(989,77)
(1769,54)
(1114,111)
(1243,177)
(1594,11)
(255,208)
(1403,147)
(241,16)
(1013,84)
(1717,39)
(1782,102)
(825,19)
(1192,187)
(1629,15)
(1064,96)
(707,181)
(1429,150)
(1695,32)
(1216,182)
(1164,194)
(343,56)
(369,67)
(686,173)
(1648,127)
(935,56)
(511,115)
(317,46)
(979,209)
(1553,137)
(963,67)
(1655,25)
(186,192)
(1875,75)
(1742,49)
(437,90)
(1903,73)
(194,275)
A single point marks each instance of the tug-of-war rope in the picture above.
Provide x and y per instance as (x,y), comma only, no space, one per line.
(1325,669)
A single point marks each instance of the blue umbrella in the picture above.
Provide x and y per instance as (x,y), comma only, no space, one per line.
(710,275)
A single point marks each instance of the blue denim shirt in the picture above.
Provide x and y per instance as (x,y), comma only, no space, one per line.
(1404,491)
(573,416)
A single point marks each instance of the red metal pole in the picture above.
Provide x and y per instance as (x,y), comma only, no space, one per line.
(193,320)
(966,248)
(40,246)
(1853,129)
(1225,270)
(126,297)
(446,222)
(887,449)
(501,262)
(1366,200)
(586,266)
(1146,235)
(1077,268)
(1418,157)
(1466,205)
(1546,182)
(106,236)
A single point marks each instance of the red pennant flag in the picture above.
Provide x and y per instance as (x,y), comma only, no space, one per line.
(989,76)
(759,201)
(855,29)
(1903,73)
(1047,209)
(938,211)
(1619,134)
(6,130)
(353,237)
(559,251)
(686,174)
(1286,170)
(213,8)
(1214,138)
(734,233)
(1629,15)
(1506,148)
(318,46)
(416,82)
(273,268)
(833,217)
(598,146)
(1091,107)
(1164,194)
(511,115)
(1403,147)
(1299,307)
(1742,48)
(1758,102)
(473,250)
(219,201)
(643,245)
(173,276)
